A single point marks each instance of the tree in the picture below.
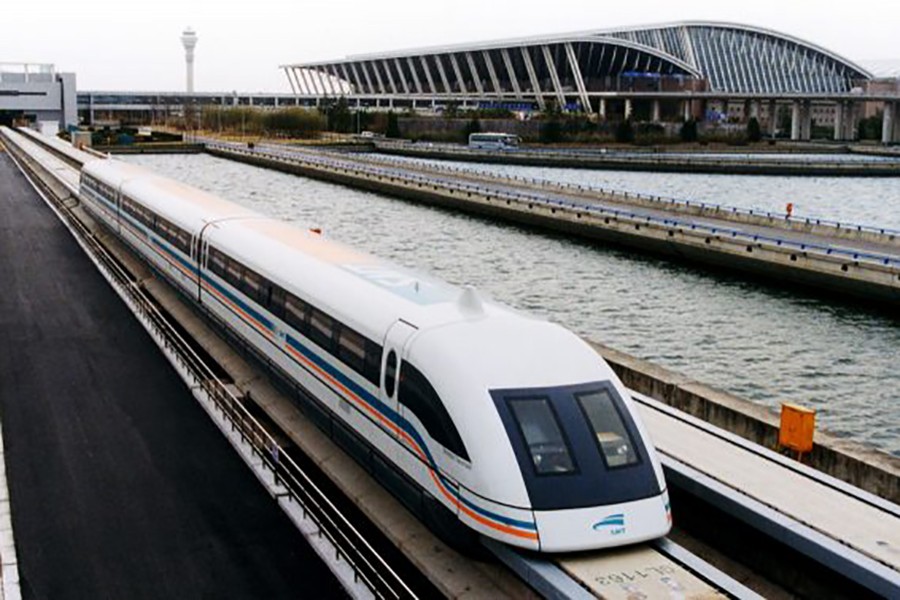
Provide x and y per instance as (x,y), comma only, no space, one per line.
(551,131)
(339,117)
(473,126)
(754,131)
(625,132)
(393,126)
(870,128)
(688,131)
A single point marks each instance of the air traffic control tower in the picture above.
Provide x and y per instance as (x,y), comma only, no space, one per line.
(38,94)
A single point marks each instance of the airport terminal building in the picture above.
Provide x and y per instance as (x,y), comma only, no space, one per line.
(577,70)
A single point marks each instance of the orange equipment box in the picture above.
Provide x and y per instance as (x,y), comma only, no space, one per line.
(797,427)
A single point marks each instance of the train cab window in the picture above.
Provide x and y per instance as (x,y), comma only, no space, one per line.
(390,373)
(615,443)
(417,394)
(543,436)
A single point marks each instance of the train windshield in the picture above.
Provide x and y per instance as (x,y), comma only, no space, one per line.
(576,445)
(540,428)
(613,438)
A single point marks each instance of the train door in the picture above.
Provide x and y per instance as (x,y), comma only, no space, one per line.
(395,342)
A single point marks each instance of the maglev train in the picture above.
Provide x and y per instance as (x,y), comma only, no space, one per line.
(482,418)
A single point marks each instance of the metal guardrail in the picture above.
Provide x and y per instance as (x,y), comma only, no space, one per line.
(664,201)
(618,158)
(320,161)
(350,545)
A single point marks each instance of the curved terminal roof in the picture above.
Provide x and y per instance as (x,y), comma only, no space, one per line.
(719,57)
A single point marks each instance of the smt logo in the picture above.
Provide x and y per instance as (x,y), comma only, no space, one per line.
(614,524)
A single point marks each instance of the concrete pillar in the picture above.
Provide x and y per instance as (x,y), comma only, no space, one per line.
(755,110)
(773,118)
(656,112)
(839,121)
(795,120)
(686,110)
(887,125)
(628,108)
(850,120)
(896,137)
(601,110)
(806,132)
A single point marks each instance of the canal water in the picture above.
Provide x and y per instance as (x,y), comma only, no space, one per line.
(762,343)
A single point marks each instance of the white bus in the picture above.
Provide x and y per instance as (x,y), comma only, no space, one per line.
(493,141)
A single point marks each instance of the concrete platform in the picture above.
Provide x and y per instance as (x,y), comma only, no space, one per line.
(120,485)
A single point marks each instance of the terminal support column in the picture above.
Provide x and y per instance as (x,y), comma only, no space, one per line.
(806,125)
(656,110)
(773,118)
(687,112)
(795,120)
(887,124)
(838,121)
(628,108)
(601,110)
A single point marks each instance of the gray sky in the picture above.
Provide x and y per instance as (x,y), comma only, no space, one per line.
(135,45)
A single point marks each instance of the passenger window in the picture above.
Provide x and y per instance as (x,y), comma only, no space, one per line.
(610,433)
(276,301)
(543,436)
(251,284)
(216,262)
(390,373)
(296,313)
(351,349)
(233,273)
(320,332)
(417,394)
(373,362)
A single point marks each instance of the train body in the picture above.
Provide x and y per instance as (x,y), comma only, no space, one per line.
(508,425)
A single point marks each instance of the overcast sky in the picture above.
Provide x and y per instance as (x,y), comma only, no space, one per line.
(135,45)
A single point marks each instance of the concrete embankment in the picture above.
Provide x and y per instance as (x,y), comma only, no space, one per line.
(650,162)
(719,212)
(769,259)
(153,148)
(859,465)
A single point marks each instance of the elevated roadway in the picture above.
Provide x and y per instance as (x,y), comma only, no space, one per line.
(733,163)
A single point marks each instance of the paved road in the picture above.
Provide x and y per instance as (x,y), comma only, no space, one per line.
(121,487)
